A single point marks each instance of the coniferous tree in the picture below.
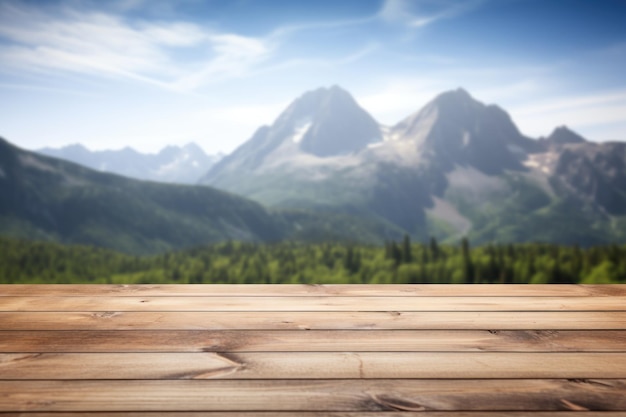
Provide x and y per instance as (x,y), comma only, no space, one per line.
(492,272)
(434,248)
(425,258)
(468,266)
(396,253)
(37,262)
(407,256)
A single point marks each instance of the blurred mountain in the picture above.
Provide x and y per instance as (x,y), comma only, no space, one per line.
(321,124)
(183,165)
(46,198)
(327,170)
(456,167)
(49,198)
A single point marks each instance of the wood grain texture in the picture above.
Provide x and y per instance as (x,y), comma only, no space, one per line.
(90,341)
(311,365)
(296,320)
(299,350)
(287,304)
(316,395)
(324,414)
(303,290)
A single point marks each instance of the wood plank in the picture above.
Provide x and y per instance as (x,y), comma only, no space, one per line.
(90,341)
(327,414)
(360,363)
(303,290)
(254,304)
(312,395)
(391,320)
(310,365)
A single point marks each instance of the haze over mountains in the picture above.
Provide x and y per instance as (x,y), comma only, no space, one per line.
(47,198)
(455,167)
(174,164)
(326,170)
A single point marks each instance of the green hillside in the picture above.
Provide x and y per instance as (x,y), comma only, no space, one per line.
(51,199)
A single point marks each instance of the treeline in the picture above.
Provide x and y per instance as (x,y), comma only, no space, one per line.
(326,263)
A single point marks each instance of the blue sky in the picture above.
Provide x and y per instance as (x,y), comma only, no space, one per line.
(147,73)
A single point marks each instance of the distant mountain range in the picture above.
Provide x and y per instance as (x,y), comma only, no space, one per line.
(326,170)
(456,167)
(183,165)
(46,198)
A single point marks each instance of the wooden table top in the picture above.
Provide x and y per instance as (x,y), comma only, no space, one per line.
(313,350)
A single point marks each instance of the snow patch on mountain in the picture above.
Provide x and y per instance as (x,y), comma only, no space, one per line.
(466,138)
(401,152)
(470,180)
(301,128)
(544,162)
(442,210)
(288,158)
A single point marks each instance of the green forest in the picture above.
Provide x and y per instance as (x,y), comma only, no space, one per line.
(404,262)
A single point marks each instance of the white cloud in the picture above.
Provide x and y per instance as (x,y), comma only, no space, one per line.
(284,31)
(395,10)
(576,102)
(419,13)
(590,113)
(99,39)
(108,45)
(236,56)
(174,34)
(313,64)
(52,90)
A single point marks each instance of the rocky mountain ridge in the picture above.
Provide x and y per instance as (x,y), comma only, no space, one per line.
(173,164)
(455,167)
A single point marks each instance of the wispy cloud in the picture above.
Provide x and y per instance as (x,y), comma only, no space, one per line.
(577,102)
(287,30)
(235,57)
(420,13)
(102,44)
(82,40)
(586,112)
(52,90)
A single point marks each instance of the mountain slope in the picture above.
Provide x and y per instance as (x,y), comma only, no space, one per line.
(183,165)
(596,173)
(48,198)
